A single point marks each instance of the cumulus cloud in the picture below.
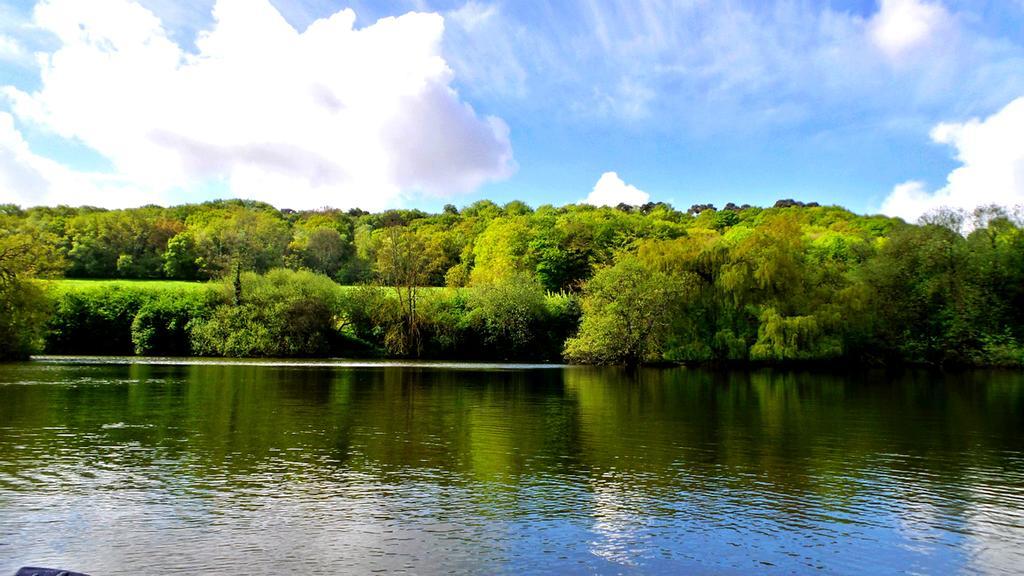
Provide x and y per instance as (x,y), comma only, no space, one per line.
(991,171)
(610,190)
(332,115)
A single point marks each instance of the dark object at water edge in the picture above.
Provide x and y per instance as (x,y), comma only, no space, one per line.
(30,571)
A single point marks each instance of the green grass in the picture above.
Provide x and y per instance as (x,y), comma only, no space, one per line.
(66,284)
(75,284)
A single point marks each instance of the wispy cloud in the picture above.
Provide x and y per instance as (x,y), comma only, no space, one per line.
(701,65)
(482,46)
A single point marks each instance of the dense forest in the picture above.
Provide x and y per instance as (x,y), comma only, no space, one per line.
(622,285)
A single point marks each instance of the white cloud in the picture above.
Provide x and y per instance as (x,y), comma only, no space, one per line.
(28,179)
(991,154)
(329,116)
(610,190)
(10,49)
(902,25)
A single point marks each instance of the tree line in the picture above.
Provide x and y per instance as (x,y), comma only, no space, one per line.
(623,285)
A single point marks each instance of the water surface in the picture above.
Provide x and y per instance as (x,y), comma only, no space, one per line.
(173,467)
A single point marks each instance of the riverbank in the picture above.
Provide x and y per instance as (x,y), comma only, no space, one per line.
(288,314)
(624,286)
(304,315)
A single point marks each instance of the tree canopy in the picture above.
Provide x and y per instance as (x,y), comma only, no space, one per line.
(793,282)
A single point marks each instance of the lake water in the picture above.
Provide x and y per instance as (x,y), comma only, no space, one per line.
(316,468)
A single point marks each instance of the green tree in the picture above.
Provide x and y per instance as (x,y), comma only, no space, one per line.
(924,297)
(180,258)
(323,249)
(510,313)
(405,262)
(239,239)
(627,312)
(501,250)
(25,252)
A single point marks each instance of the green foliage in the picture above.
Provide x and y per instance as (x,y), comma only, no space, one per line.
(284,313)
(494,322)
(26,250)
(255,240)
(725,219)
(782,338)
(447,325)
(369,313)
(793,282)
(23,314)
(501,250)
(924,297)
(405,260)
(129,316)
(161,326)
(97,320)
(1000,350)
(509,313)
(322,242)
(325,251)
(627,311)
(122,243)
(180,258)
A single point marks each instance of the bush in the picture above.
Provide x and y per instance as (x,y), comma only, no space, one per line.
(509,320)
(1000,350)
(288,313)
(446,325)
(118,318)
(285,313)
(95,320)
(160,327)
(369,314)
(509,314)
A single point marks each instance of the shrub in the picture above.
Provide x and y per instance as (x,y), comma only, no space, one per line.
(1000,350)
(111,317)
(369,314)
(509,313)
(160,327)
(95,320)
(285,313)
(446,325)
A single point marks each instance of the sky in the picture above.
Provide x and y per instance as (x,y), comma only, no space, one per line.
(881,106)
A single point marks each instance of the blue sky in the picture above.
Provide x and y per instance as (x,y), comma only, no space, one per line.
(892,105)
